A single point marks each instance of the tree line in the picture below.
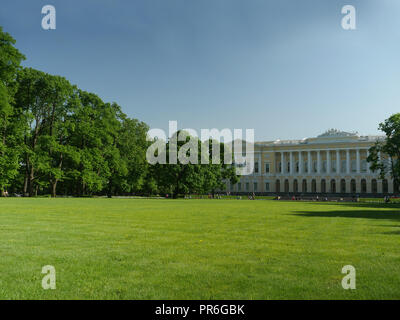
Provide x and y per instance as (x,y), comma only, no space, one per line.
(58,139)
(385,154)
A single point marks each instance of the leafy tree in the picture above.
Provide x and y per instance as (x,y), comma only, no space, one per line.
(56,138)
(115,161)
(187,178)
(132,145)
(54,141)
(90,171)
(384,155)
(10,128)
(42,100)
(217,173)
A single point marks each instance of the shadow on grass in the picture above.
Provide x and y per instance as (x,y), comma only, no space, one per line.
(364,214)
(373,211)
(374,205)
(397,233)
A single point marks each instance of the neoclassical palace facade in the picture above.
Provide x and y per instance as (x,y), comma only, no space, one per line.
(332,163)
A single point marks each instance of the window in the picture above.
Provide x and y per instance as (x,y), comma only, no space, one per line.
(288,167)
(278,186)
(247,186)
(239,187)
(314,166)
(343,186)
(297,166)
(323,186)
(267,187)
(231,187)
(343,166)
(385,187)
(313,186)
(363,165)
(286,185)
(255,186)
(333,166)
(280,167)
(353,186)
(305,166)
(353,166)
(333,186)
(240,165)
(324,165)
(304,185)
(363,186)
(374,186)
(267,168)
(386,163)
(256,167)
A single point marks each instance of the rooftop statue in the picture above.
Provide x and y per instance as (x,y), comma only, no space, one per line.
(337,133)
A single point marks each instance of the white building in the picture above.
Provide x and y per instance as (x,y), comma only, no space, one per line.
(332,163)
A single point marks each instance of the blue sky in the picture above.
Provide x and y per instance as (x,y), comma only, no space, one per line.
(285,68)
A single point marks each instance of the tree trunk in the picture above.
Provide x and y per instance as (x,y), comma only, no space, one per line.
(54,188)
(30,182)
(176,191)
(109,192)
(26,185)
(54,181)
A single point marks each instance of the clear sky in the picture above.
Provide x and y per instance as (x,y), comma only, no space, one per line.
(284,68)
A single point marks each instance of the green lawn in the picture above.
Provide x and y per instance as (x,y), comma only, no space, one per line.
(198,249)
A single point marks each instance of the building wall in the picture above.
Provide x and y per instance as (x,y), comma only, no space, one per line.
(311,166)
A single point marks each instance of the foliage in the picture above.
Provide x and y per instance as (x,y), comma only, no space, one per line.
(56,138)
(384,155)
(184,178)
(10,127)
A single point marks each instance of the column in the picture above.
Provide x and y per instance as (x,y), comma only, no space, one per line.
(379,182)
(260,165)
(390,185)
(380,161)
(338,162)
(348,161)
(319,162)
(300,163)
(318,185)
(291,183)
(358,185)
(369,185)
(389,169)
(291,162)
(309,160)
(282,163)
(358,164)
(328,162)
(337,185)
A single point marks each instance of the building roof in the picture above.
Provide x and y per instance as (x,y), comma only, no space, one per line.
(329,136)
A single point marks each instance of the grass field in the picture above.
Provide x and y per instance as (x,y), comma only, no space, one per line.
(198,249)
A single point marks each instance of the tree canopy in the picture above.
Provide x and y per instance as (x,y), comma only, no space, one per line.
(59,139)
(384,155)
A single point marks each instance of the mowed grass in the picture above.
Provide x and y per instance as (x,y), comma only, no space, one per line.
(198,249)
